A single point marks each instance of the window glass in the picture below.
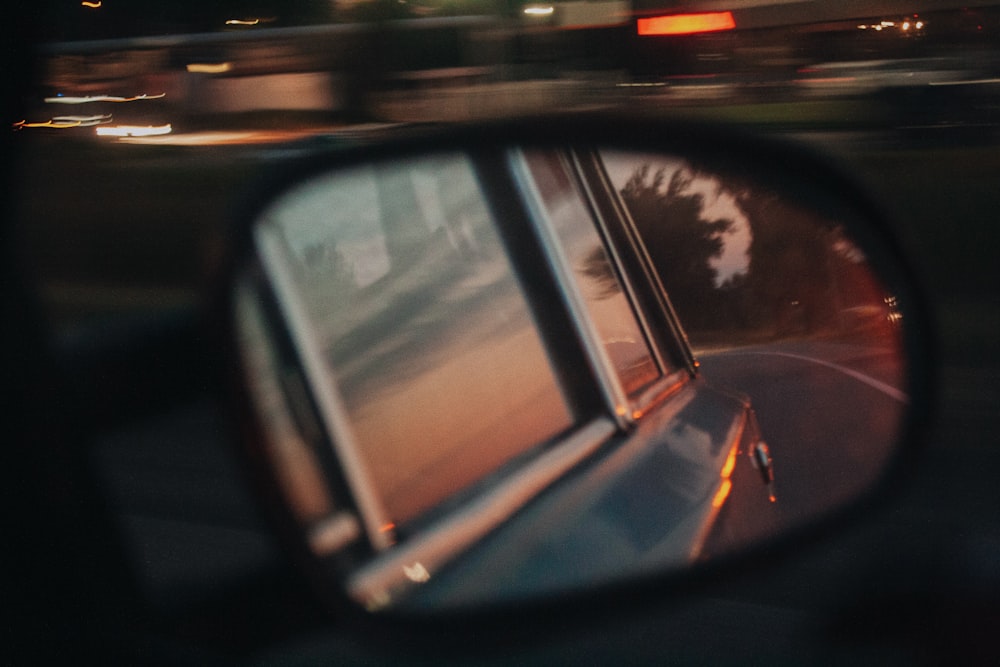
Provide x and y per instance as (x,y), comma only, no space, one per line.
(607,304)
(408,292)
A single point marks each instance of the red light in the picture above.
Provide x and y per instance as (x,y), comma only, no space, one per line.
(687,24)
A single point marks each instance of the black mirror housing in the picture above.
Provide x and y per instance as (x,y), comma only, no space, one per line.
(637,399)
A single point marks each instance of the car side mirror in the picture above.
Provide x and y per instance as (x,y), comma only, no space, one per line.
(493,365)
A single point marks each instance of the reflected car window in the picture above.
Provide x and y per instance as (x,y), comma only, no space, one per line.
(424,331)
(606,301)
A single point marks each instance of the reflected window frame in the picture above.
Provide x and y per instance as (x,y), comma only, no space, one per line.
(331,406)
(651,308)
(597,417)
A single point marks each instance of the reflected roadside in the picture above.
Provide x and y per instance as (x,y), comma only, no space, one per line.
(782,306)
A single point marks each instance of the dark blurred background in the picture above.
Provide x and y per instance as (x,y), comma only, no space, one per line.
(909,100)
(146,121)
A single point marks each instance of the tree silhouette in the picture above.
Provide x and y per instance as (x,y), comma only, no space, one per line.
(597,267)
(680,241)
(805,275)
(789,277)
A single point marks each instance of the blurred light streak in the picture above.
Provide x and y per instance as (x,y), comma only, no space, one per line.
(63,122)
(417,573)
(251,22)
(209,68)
(232,138)
(722,493)
(905,25)
(539,10)
(968,82)
(827,79)
(730,464)
(686,24)
(92,5)
(23,124)
(85,121)
(197,139)
(134,131)
(62,99)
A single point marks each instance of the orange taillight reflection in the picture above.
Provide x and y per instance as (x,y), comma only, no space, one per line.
(686,24)
(722,493)
(727,469)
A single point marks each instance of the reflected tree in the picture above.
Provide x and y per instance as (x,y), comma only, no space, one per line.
(680,241)
(598,269)
(789,286)
(804,276)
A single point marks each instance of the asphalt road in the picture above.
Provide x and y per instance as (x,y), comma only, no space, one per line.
(830,412)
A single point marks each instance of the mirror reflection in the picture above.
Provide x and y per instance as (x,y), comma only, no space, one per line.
(490,376)
(778,302)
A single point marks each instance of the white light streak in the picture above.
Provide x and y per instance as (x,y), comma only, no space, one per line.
(134,131)
(63,99)
(539,10)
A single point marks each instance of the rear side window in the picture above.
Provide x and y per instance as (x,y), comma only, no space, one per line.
(608,305)
(403,286)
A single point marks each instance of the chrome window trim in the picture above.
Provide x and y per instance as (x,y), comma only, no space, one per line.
(415,561)
(333,533)
(623,277)
(259,357)
(333,412)
(677,332)
(666,386)
(610,386)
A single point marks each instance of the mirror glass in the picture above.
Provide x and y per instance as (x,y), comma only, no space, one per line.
(484,377)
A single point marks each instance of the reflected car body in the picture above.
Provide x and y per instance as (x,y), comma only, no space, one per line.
(511,401)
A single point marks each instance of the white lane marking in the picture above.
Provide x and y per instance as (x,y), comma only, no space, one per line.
(886,389)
